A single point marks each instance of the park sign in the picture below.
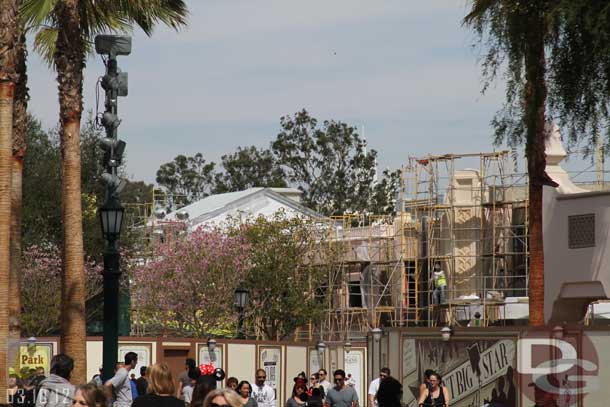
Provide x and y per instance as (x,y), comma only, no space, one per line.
(33,356)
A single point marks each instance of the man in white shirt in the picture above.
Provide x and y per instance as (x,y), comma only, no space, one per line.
(323,380)
(374,386)
(261,392)
(120,383)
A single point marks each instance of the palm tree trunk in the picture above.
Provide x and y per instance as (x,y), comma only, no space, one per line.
(8,28)
(19,135)
(6,130)
(69,62)
(535,104)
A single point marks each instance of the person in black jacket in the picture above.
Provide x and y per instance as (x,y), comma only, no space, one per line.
(141,382)
(389,393)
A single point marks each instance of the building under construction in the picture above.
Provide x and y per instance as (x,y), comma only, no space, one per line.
(472,223)
(466,213)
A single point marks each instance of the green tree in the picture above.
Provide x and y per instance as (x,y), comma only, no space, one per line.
(41,187)
(68,29)
(579,69)
(385,193)
(282,275)
(249,167)
(330,164)
(186,179)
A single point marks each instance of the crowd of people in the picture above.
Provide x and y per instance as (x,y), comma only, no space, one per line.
(154,388)
(196,387)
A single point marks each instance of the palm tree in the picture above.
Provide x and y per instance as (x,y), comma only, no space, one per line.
(19,142)
(516,30)
(8,38)
(67,36)
(547,47)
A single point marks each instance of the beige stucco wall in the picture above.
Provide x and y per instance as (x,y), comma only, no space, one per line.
(562,264)
(601,342)
(95,355)
(94,358)
(296,362)
(241,361)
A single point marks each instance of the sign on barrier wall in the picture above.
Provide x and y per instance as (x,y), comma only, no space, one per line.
(270,359)
(143,350)
(206,356)
(474,372)
(559,368)
(35,356)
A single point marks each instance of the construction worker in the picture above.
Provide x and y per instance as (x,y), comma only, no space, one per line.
(440,285)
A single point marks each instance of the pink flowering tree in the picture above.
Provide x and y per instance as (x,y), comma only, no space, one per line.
(41,288)
(188,289)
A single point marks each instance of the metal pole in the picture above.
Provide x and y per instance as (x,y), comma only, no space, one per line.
(112,273)
(112,270)
(240,324)
(115,84)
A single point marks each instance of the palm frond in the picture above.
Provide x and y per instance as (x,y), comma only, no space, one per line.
(37,12)
(100,16)
(148,13)
(44,43)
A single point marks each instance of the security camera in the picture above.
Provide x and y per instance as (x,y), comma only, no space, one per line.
(113,45)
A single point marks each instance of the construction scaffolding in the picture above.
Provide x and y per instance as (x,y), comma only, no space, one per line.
(146,221)
(363,285)
(471,222)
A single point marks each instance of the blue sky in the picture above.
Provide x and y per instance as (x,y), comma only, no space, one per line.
(404,71)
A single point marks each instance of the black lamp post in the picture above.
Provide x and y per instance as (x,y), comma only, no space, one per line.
(114,83)
(111,219)
(241,299)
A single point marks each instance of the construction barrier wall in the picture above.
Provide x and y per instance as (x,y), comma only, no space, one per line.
(562,366)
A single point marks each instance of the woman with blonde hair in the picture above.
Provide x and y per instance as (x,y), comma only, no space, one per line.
(161,389)
(222,398)
(90,395)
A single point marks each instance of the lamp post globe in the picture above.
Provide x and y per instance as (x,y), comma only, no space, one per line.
(240,300)
(321,347)
(111,220)
(241,297)
(347,347)
(376,332)
(446,333)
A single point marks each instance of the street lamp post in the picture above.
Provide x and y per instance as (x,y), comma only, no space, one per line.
(241,299)
(111,213)
(111,219)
